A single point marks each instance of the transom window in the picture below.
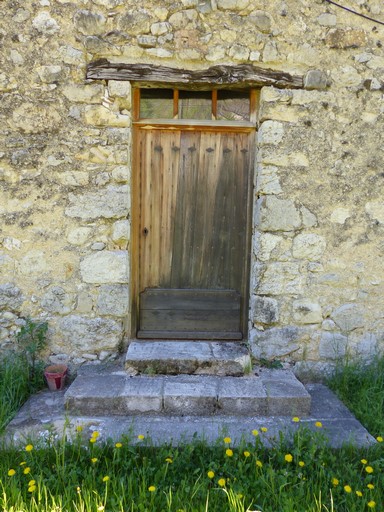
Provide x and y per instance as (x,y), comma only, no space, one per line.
(214,105)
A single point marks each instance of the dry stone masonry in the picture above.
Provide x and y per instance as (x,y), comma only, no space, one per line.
(317,282)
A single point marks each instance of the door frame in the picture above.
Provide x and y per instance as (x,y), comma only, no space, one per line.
(217,126)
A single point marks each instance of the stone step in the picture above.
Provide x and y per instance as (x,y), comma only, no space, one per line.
(271,393)
(187,357)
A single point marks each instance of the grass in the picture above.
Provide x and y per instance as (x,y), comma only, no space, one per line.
(16,384)
(361,388)
(304,475)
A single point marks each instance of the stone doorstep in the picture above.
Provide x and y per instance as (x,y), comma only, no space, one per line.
(187,357)
(188,395)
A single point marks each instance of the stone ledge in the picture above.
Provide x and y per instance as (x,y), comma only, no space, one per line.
(187,357)
(188,395)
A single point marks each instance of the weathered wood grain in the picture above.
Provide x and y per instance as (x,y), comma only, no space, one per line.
(221,76)
(193,229)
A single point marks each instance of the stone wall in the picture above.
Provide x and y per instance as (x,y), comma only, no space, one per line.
(65,166)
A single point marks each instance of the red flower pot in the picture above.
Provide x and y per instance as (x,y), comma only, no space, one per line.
(55,376)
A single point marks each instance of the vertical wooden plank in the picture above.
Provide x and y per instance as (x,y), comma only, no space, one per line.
(194,192)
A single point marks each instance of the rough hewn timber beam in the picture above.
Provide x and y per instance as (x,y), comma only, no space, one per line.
(243,75)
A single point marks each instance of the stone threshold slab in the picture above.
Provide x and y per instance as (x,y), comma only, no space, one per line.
(187,357)
(273,392)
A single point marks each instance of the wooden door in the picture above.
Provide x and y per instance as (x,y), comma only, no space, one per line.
(193,230)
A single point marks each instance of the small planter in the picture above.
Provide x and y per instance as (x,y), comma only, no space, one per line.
(55,376)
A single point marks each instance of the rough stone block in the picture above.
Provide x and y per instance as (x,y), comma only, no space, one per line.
(192,395)
(286,396)
(245,396)
(375,210)
(307,312)
(278,215)
(10,297)
(90,334)
(142,395)
(264,310)
(344,38)
(111,202)
(274,342)
(348,317)
(88,22)
(308,246)
(281,278)
(270,132)
(113,300)
(105,267)
(96,395)
(333,346)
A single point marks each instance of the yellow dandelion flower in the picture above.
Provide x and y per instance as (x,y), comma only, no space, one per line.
(335,482)
(369,469)
(301,463)
(288,458)
(118,445)
(93,440)
(227,440)
(371,504)
(364,461)
(239,495)
(210,474)
(32,488)
(359,494)
(264,429)
(93,460)
(259,464)
(100,508)
(222,482)
(23,463)
(26,471)
(31,482)
(247,454)
(141,437)
(370,486)
(95,434)
(229,452)
(347,488)
(29,448)
(11,472)
(169,460)
(78,490)
(296,419)
(379,439)
(79,428)
(105,478)
(151,488)
(318,424)
(255,432)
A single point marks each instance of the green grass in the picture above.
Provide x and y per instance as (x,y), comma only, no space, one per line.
(361,388)
(305,475)
(16,384)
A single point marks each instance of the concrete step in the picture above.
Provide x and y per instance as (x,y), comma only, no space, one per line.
(271,393)
(187,357)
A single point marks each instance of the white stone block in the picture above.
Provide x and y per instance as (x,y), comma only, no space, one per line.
(308,246)
(375,210)
(307,312)
(340,215)
(270,132)
(105,267)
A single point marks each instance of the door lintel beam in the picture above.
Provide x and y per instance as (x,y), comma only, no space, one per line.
(219,77)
